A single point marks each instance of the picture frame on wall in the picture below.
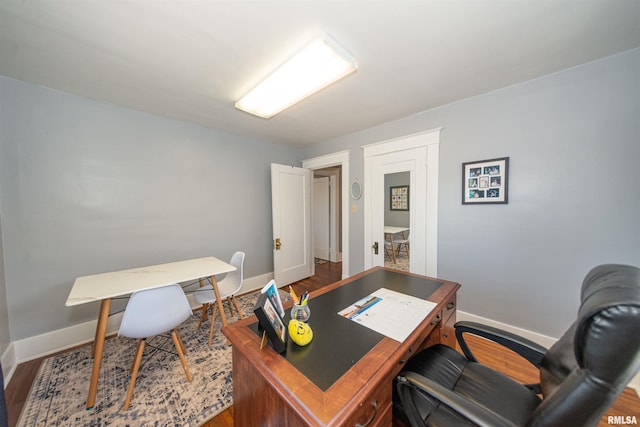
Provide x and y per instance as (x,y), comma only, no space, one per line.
(485,182)
(399,198)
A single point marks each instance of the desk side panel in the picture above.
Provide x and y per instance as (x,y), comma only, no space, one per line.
(255,401)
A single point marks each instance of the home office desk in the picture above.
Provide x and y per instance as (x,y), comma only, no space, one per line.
(104,287)
(345,375)
(389,231)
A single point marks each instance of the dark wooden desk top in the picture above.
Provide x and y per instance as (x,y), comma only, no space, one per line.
(370,357)
(340,343)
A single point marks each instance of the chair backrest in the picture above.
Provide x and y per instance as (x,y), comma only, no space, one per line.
(232,282)
(584,371)
(154,311)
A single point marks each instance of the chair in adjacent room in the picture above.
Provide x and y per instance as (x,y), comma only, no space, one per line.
(581,375)
(153,312)
(227,287)
(389,251)
(402,244)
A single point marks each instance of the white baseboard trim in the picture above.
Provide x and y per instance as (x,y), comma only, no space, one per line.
(254,283)
(9,363)
(61,339)
(543,340)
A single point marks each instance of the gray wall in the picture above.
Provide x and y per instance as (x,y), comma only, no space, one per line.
(89,187)
(573,142)
(4,308)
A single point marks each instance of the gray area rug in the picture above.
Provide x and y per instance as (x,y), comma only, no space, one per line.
(402,262)
(162,395)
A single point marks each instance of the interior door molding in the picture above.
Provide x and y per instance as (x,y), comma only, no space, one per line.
(340,158)
(426,184)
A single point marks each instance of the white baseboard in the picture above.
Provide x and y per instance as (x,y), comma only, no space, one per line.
(255,283)
(543,340)
(9,363)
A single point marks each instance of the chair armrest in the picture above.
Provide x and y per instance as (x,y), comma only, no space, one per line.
(527,349)
(478,415)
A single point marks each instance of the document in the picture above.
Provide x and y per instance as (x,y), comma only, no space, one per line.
(390,313)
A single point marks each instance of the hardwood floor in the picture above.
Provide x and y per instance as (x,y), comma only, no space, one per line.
(628,404)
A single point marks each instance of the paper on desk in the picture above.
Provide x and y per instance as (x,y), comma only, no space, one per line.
(390,313)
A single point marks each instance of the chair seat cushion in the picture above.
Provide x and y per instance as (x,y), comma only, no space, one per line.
(205,295)
(471,380)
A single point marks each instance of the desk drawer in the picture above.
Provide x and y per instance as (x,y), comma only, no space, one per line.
(374,409)
(447,330)
(449,309)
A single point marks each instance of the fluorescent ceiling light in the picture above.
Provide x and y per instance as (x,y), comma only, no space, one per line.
(319,64)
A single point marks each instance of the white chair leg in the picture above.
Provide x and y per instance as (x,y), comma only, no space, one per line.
(233,298)
(176,341)
(134,373)
(230,306)
(203,315)
(213,323)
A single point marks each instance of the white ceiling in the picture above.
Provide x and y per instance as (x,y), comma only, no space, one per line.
(191,60)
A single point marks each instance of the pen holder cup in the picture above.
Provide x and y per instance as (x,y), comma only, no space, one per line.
(301,312)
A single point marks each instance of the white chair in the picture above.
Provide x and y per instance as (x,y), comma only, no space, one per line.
(152,312)
(227,287)
(388,250)
(402,244)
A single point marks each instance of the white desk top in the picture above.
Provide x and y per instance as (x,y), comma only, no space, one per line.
(118,283)
(393,230)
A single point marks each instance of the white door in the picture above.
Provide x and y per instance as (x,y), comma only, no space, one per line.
(291,209)
(418,154)
(321,209)
(413,161)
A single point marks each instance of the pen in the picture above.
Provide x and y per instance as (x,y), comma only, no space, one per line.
(293,295)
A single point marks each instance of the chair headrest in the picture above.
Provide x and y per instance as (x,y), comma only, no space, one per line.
(608,321)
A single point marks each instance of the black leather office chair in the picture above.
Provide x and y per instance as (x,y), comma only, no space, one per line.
(580,376)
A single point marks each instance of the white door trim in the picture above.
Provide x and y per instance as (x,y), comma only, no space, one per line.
(431,140)
(340,158)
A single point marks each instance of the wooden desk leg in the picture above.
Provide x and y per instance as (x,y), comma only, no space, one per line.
(219,301)
(98,348)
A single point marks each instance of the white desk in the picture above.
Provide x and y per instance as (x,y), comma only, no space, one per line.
(390,231)
(103,287)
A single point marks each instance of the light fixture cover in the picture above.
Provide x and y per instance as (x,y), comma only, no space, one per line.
(320,63)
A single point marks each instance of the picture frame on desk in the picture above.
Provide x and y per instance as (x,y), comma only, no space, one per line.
(271,323)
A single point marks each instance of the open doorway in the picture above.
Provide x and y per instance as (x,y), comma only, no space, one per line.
(327,241)
(339,161)
(397,221)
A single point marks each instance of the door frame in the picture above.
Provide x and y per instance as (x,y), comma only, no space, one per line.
(320,207)
(340,158)
(427,185)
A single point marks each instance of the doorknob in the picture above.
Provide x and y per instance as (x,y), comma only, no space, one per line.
(277,244)
(375,248)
